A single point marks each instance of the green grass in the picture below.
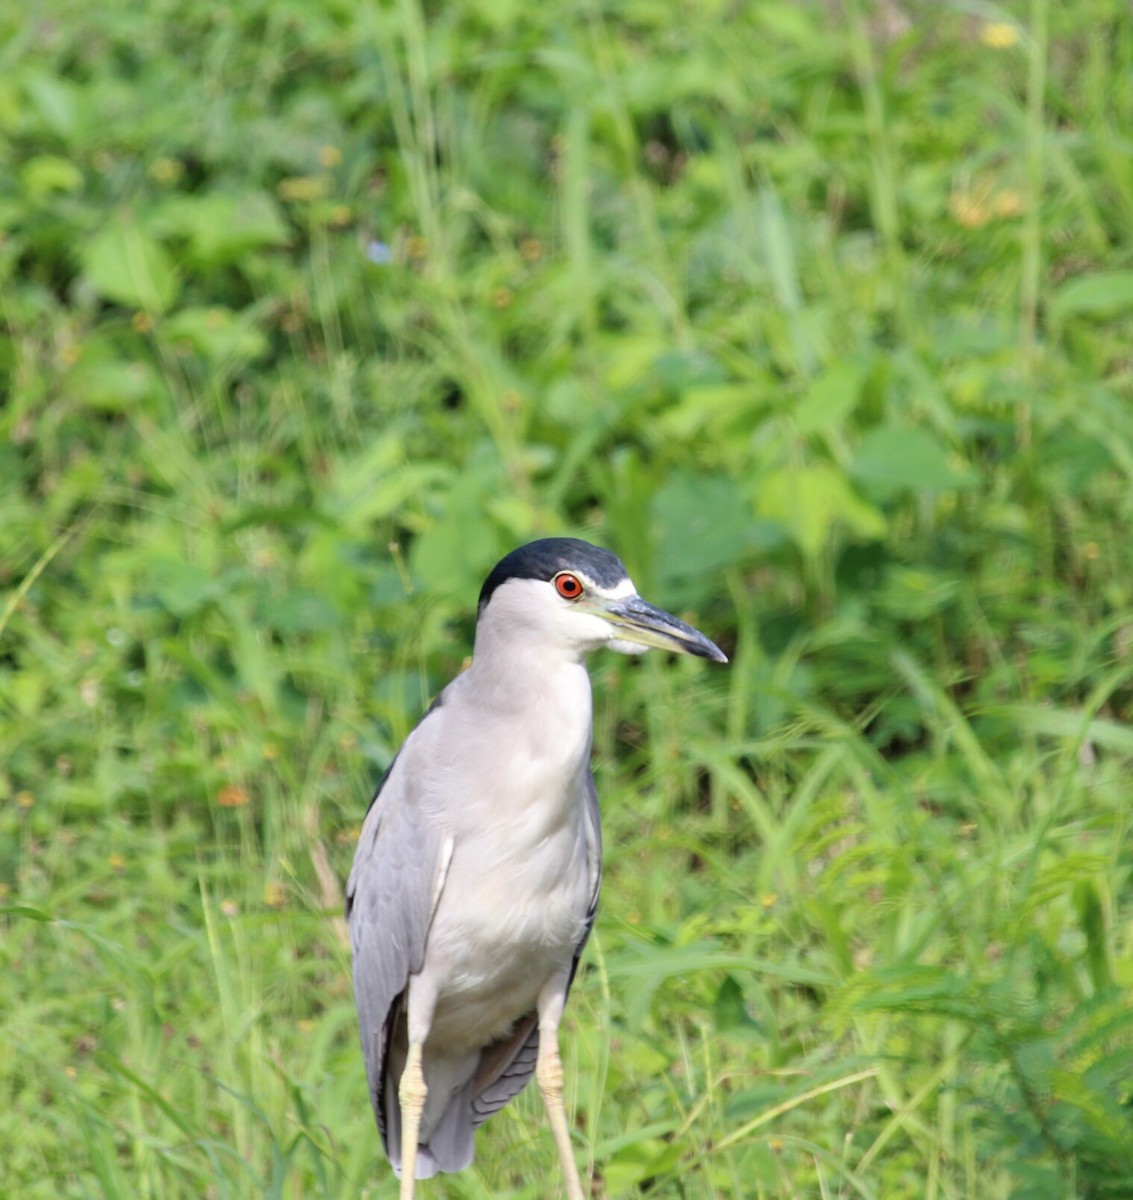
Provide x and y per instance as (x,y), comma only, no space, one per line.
(820,315)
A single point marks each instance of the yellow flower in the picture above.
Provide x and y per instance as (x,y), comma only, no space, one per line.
(999,35)
(166,170)
(302,188)
(1008,203)
(968,209)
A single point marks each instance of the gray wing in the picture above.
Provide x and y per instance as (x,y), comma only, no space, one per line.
(507,1065)
(390,897)
(595,815)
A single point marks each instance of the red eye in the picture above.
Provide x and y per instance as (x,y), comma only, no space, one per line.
(568,586)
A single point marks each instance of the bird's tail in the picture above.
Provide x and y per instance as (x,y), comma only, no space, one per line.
(448,1144)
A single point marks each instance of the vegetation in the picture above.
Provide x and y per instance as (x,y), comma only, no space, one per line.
(819,313)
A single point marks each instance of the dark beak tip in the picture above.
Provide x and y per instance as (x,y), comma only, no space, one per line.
(682,638)
(705,647)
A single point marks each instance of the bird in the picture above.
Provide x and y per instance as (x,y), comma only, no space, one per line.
(475,879)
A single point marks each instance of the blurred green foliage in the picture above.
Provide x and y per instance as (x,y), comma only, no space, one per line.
(819,314)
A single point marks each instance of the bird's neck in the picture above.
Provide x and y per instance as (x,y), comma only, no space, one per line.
(541,693)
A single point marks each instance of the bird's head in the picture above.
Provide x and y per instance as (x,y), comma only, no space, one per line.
(573,596)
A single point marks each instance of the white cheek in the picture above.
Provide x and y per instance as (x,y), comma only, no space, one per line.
(582,629)
(626,647)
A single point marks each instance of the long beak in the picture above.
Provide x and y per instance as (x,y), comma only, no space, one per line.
(641,623)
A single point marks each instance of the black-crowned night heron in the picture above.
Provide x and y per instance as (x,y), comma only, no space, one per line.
(475,882)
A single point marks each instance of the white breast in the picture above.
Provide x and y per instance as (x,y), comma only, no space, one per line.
(503,928)
(514,905)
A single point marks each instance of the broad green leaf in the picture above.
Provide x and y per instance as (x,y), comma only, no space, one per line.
(775,239)
(704,523)
(182,588)
(810,501)
(113,385)
(896,458)
(453,553)
(701,410)
(55,101)
(1102,295)
(644,1159)
(630,358)
(914,594)
(215,333)
(299,612)
(47,173)
(126,265)
(729,1011)
(678,370)
(831,397)
(222,227)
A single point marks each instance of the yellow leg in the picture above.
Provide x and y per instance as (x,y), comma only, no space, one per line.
(411,1093)
(549,1075)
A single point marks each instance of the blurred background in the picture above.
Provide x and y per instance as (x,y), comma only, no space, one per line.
(820,315)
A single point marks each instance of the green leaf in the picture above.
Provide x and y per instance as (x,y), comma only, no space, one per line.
(1092,919)
(895,458)
(216,333)
(831,397)
(55,101)
(916,593)
(102,382)
(704,523)
(1064,723)
(452,554)
(679,370)
(729,1010)
(775,240)
(1102,295)
(810,501)
(300,612)
(659,962)
(223,227)
(26,911)
(48,173)
(182,587)
(126,265)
